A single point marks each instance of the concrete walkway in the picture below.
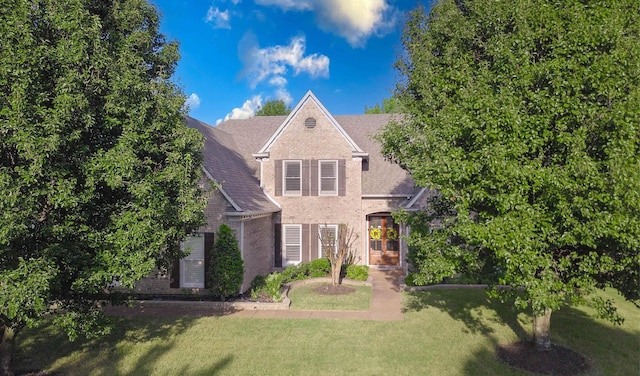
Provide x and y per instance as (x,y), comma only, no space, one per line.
(386,305)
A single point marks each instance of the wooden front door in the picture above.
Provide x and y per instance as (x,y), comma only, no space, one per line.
(384,241)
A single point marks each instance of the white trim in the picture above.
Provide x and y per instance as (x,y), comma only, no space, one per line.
(285,261)
(284,177)
(374,195)
(309,96)
(336,177)
(192,257)
(416,198)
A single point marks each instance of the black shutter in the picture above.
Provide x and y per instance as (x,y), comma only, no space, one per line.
(305,243)
(314,177)
(313,240)
(277,235)
(174,281)
(305,177)
(208,250)
(278,177)
(342,177)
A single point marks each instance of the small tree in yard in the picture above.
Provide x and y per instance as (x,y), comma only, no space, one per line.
(227,269)
(337,248)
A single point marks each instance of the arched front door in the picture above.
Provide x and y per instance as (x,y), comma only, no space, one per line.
(384,240)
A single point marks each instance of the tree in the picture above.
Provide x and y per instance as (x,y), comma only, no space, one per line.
(526,117)
(389,106)
(337,246)
(98,172)
(273,108)
(227,269)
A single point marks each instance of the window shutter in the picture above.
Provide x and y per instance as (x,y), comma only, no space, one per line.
(342,177)
(174,281)
(314,237)
(305,243)
(277,235)
(305,177)
(314,177)
(208,249)
(278,177)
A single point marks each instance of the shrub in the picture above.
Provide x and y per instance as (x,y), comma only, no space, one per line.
(227,268)
(319,268)
(358,272)
(259,282)
(409,280)
(273,285)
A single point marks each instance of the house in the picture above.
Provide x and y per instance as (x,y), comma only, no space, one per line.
(282,180)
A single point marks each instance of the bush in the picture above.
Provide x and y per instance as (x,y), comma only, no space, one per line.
(358,272)
(273,285)
(319,268)
(409,280)
(227,269)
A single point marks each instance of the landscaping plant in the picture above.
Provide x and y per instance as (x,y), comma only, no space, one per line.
(227,269)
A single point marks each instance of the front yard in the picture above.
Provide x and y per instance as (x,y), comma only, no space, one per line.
(445,332)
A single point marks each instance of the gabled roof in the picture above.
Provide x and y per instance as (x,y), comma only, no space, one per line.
(231,149)
(380,177)
(223,161)
(308,97)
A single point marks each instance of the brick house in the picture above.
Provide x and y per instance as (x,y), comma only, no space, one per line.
(283,179)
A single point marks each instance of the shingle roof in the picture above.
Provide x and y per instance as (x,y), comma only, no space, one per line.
(224,158)
(381,177)
(229,147)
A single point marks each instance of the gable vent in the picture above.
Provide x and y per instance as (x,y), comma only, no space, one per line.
(310,123)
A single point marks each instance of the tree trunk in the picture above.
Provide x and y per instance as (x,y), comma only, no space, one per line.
(6,350)
(336,268)
(542,330)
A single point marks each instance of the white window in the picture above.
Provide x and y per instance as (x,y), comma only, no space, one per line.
(328,178)
(327,234)
(192,266)
(292,177)
(292,244)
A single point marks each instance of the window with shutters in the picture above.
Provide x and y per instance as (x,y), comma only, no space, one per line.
(192,266)
(292,239)
(328,178)
(327,239)
(292,178)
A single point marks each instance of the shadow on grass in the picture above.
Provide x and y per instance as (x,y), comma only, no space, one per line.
(469,307)
(611,350)
(47,348)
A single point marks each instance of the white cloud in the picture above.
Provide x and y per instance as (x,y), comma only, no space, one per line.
(193,101)
(219,19)
(261,64)
(354,20)
(248,109)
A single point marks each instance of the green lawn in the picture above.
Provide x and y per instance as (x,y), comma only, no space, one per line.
(303,297)
(446,332)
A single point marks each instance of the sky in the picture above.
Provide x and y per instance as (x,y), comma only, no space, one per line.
(238,54)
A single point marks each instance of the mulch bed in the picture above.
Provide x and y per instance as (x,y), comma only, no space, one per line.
(558,361)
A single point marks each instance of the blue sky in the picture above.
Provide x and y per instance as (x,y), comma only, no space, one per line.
(237,54)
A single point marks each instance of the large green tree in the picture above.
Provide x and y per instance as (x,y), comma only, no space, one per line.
(389,106)
(98,172)
(273,108)
(525,116)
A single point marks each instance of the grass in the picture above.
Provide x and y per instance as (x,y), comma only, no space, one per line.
(304,298)
(445,332)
